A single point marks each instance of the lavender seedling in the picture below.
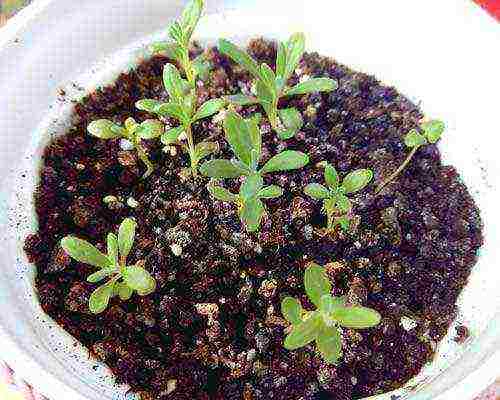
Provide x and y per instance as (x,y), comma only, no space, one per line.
(245,139)
(272,85)
(336,204)
(180,32)
(182,107)
(431,133)
(132,131)
(322,325)
(122,279)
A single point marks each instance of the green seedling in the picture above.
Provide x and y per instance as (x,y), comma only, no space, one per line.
(180,33)
(272,85)
(336,204)
(431,132)
(245,139)
(322,325)
(122,279)
(133,132)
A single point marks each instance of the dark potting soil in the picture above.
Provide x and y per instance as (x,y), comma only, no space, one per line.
(213,328)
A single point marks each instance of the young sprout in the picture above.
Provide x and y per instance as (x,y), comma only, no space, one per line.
(431,133)
(245,139)
(180,32)
(336,204)
(182,107)
(132,131)
(272,85)
(122,279)
(321,325)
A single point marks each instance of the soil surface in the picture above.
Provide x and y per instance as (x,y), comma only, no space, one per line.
(213,328)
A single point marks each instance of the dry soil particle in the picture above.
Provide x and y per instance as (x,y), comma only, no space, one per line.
(213,328)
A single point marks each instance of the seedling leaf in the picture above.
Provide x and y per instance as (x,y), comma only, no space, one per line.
(312,86)
(285,161)
(357,180)
(316,283)
(292,310)
(84,252)
(356,317)
(126,235)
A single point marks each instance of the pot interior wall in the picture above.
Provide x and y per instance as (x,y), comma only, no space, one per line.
(422,64)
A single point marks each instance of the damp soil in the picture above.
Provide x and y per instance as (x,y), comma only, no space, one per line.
(213,328)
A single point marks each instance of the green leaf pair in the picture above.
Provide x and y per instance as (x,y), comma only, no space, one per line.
(122,280)
(271,86)
(182,107)
(431,133)
(132,131)
(336,204)
(245,139)
(321,325)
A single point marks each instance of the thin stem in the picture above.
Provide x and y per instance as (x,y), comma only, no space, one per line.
(143,156)
(188,69)
(398,171)
(191,150)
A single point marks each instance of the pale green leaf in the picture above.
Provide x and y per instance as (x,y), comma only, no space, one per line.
(209,108)
(292,310)
(268,77)
(112,245)
(239,56)
(343,203)
(270,192)
(176,32)
(281,60)
(312,86)
(317,191)
(292,121)
(204,149)
(222,194)
(433,130)
(173,83)
(150,129)
(331,176)
(99,299)
(316,283)
(239,136)
(222,169)
(101,274)
(329,343)
(252,185)
(171,135)
(149,105)
(174,110)
(251,214)
(126,236)
(343,221)
(357,180)
(190,17)
(303,333)
(84,252)
(356,317)
(105,129)
(202,67)
(139,279)
(414,139)
(295,48)
(123,291)
(285,161)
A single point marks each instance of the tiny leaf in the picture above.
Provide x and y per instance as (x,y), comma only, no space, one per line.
(331,176)
(316,283)
(222,169)
(150,129)
(356,317)
(123,291)
(357,180)
(101,274)
(312,86)
(173,110)
(171,135)
(221,193)
(204,149)
(239,56)
(414,139)
(281,60)
(317,191)
(343,203)
(112,244)
(173,83)
(209,108)
(139,279)
(239,136)
(84,252)
(303,333)
(148,105)
(251,214)
(292,120)
(252,185)
(202,67)
(268,77)
(105,129)
(295,48)
(270,192)
(99,299)
(126,236)
(329,343)
(242,99)
(433,130)
(343,222)
(292,310)
(285,161)
(190,17)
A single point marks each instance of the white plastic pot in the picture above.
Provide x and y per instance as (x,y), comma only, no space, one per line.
(444,53)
